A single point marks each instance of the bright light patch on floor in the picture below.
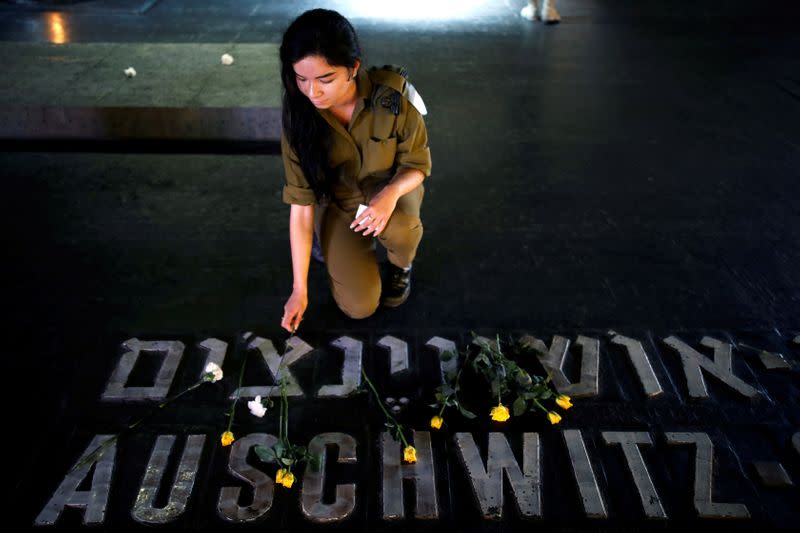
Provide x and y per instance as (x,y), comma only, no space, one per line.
(417,9)
(55,24)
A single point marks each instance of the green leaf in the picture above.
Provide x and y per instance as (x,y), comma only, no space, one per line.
(446,356)
(466,413)
(287,461)
(298,449)
(265,454)
(519,406)
(483,360)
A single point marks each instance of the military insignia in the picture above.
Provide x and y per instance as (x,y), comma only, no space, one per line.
(392,102)
(395,78)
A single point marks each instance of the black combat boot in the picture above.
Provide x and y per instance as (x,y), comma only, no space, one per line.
(396,286)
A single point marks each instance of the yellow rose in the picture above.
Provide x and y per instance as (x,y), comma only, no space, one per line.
(500,413)
(285,478)
(227,438)
(554,417)
(564,402)
(410,454)
(436,422)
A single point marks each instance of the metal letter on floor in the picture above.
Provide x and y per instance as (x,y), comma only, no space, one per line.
(553,359)
(398,354)
(143,510)
(216,350)
(447,363)
(703,468)
(487,483)
(351,369)
(314,480)
(630,442)
(228,507)
(640,362)
(584,475)
(720,367)
(93,501)
(422,472)
(116,389)
(278,367)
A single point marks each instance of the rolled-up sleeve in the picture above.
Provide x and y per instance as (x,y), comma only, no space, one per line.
(296,189)
(412,145)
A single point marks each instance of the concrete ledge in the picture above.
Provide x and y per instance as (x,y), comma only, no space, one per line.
(78,94)
(44,123)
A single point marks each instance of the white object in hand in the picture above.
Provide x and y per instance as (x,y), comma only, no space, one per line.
(227,59)
(130,72)
(361,209)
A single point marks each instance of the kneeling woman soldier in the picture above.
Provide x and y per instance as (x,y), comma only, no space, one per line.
(350,137)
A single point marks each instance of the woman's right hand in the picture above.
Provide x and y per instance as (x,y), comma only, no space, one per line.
(293,310)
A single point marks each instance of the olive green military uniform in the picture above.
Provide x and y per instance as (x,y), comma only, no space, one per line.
(386,133)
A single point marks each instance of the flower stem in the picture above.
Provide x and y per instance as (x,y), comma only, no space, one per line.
(176,396)
(385,412)
(238,392)
(106,443)
(455,387)
(284,418)
(278,370)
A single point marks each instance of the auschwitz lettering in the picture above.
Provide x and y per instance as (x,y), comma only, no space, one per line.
(486,478)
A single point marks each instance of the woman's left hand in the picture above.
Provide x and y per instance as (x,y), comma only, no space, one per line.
(376,215)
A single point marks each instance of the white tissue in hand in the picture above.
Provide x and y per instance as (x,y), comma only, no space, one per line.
(130,72)
(227,59)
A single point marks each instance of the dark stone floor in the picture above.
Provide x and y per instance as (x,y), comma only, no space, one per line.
(634,167)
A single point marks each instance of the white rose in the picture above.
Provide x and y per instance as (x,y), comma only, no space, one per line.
(256,407)
(130,72)
(227,59)
(213,368)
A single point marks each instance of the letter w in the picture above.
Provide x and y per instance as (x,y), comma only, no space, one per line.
(487,484)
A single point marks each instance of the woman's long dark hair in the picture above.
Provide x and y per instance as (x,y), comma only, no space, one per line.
(325,33)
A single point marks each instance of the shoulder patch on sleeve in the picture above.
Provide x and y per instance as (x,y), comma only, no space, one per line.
(416,100)
(395,78)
